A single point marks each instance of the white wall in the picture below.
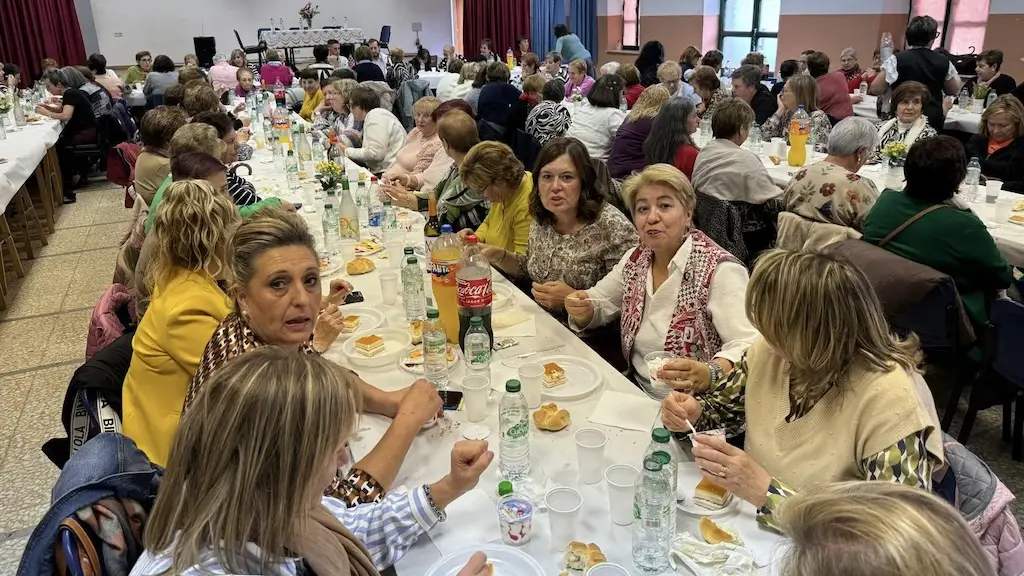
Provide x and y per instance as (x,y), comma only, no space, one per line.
(167,26)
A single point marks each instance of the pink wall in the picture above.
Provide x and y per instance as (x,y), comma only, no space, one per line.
(831,34)
(1004,32)
(675,32)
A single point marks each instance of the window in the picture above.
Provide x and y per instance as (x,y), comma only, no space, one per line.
(961,22)
(631,24)
(748,26)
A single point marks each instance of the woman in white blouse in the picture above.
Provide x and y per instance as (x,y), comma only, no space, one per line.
(599,117)
(678,291)
(383,134)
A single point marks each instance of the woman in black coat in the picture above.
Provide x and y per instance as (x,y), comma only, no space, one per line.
(651,56)
(999,143)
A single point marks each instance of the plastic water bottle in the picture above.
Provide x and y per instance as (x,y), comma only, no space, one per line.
(972,179)
(660,439)
(652,534)
(477,348)
(332,229)
(886,48)
(435,349)
(863,87)
(412,290)
(291,170)
(990,98)
(362,199)
(278,150)
(514,442)
(376,209)
(755,138)
(705,129)
(318,151)
(964,101)
(388,222)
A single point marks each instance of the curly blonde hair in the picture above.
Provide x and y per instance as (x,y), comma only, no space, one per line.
(649,103)
(193,229)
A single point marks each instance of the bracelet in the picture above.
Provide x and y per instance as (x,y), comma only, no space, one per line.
(441,515)
(716,372)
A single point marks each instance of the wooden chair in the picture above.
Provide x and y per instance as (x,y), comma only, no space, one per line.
(26,217)
(7,241)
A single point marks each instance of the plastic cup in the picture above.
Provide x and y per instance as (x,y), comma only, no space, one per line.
(590,444)
(348,250)
(389,287)
(515,516)
(530,377)
(654,361)
(607,569)
(1002,213)
(621,480)
(992,190)
(395,246)
(563,504)
(778,147)
(475,390)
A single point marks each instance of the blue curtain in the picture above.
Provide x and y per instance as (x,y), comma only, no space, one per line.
(583,22)
(544,15)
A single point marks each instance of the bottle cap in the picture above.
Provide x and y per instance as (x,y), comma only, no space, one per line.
(291,152)
(387,202)
(433,313)
(446,228)
(476,321)
(660,435)
(373,178)
(407,250)
(411,260)
(512,386)
(651,464)
(504,488)
(471,238)
(662,457)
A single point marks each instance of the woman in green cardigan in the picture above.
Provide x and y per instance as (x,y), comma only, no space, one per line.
(952,240)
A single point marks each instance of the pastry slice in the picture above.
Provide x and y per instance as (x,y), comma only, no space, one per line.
(554,376)
(416,331)
(370,345)
(350,324)
(711,496)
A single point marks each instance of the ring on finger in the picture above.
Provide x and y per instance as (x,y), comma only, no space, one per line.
(721,474)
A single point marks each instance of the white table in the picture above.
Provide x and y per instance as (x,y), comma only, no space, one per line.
(955,120)
(309,37)
(552,455)
(1009,237)
(24,149)
(433,77)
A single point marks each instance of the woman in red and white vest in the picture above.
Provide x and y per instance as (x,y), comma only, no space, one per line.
(678,291)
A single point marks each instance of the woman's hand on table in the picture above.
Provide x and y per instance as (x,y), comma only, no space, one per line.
(329,324)
(468,461)
(686,375)
(419,404)
(493,254)
(340,289)
(731,468)
(400,196)
(477,566)
(677,409)
(580,307)
(551,295)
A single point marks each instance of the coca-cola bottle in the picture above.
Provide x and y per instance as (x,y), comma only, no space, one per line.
(473,281)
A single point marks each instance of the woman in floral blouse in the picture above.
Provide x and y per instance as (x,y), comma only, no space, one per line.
(799,91)
(333,114)
(577,236)
(848,406)
(830,191)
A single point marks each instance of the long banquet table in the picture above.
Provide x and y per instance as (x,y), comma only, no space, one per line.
(23,150)
(955,119)
(472,520)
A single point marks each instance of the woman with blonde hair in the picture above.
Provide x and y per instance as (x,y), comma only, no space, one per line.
(421,147)
(492,168)
(678,291)
(800,92)
(277,302)
(243,490)
(877,529)
(462,88)
(627,153)
(851,406)
(999,143)
(334,113)
(193,230)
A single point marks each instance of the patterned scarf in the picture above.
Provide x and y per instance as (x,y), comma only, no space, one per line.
(691,333)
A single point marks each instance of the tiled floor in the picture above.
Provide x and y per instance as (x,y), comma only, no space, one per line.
(42,342)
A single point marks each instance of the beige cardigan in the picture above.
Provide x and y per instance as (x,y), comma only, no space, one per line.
(867,414)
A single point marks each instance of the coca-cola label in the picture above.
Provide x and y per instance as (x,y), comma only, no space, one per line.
(443,271)
(474,293)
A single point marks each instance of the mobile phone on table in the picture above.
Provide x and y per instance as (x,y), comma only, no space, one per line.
(451,399)
(354,297)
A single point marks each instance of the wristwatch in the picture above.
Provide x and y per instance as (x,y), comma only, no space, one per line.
(716,373)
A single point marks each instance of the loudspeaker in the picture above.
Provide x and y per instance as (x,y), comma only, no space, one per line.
(206,47)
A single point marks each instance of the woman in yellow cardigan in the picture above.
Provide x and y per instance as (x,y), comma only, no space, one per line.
(492,169)
(195,225)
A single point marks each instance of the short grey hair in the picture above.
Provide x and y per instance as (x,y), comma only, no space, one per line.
(72,77)
(272,56)
(610,68)
(219,57)
(850,135)
(849,52)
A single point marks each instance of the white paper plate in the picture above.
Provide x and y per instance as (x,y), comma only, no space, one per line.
(332,268)
(689,477)
(582,378)
(417,369)
(503,296)
(395,343)
(507,561)
(369,318)
(370,253)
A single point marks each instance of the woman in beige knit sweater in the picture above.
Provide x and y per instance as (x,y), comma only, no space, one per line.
(838,396)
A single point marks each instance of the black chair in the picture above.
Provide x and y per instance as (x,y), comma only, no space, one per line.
(154,100)
(526,148)
(257,49)
(95,153)
(385,36)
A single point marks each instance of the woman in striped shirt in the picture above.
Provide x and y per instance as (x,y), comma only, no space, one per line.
(243,490)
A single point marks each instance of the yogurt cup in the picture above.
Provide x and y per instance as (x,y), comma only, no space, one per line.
(515,515)
(655,360)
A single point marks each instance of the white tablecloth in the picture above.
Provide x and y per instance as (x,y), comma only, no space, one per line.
(1009,237)
(23,150)
(955,120)
(433,77)
(552,455)
(310,37)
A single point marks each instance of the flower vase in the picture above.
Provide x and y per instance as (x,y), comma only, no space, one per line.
(894,179)
(978,105)
(309,23)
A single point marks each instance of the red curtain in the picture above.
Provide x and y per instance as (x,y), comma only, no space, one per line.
(499,20)
(31,30)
